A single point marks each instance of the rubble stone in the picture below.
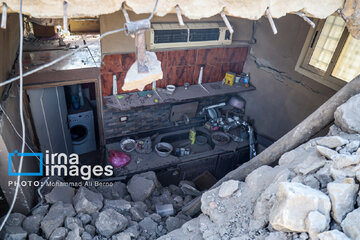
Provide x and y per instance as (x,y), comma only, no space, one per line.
(173,223)
(344,160)
(90,229)
(116,191)
(122,236)
(351,224)
(60,193)
(15,219)
(316,223)
(73,223)
(227,188)
(190,190)
(343,197)
(332,141)
(86,201)
(148,225)
(41,210)
(55,217)
(352,146)
(333,235)
(140,188)
(294,202)
(323,175)
(59,234)
(13,232)
(86,236)
(326,152)
(347,115)
(310,164)
(120,205)
(85,218)
(34,236)
(73,235)
(31,224)
(110,222)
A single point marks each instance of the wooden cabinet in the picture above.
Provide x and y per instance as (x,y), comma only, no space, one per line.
(192,169)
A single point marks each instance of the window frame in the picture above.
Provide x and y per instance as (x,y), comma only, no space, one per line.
(303,66)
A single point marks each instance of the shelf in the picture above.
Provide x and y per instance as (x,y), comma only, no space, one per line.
(133,100)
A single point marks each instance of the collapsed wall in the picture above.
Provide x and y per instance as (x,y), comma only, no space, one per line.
(313,192)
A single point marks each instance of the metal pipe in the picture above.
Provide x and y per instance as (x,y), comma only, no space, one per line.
(226,21)
(303,15)
(126,15)
(65,17)
(271,21)
(141,51)
(178,13)
(4,16)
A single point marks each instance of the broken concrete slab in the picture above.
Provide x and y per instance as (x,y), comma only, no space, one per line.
(332,141)
(59,234)
(110,222)
(333,235)
(343,197)
(294,202)
(60,193)
(347,115)
(86,201)
(140,188)
(227,188)
(326,152)
(120,205)
(316,223)
(55,217)
(312,162)
(351,224)
(13,232)
(31,224)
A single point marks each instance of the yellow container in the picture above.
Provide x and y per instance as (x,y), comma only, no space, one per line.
(229,78)
(192,135)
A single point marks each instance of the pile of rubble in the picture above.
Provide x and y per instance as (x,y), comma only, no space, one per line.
(142,209)
(313,193)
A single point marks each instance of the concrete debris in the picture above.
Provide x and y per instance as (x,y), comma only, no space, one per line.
(34,236)
(59,234)
(316,223)
(41,210)
(31,224)
(333,235)
(86,201)
(110,222)
(120,205)
(228,188)
(140,188)
(116,191)
(13,232)
(343,195)
(326,152)
(15,219)
(332,141)
(294,202)
(351,224)
(190,190)
(344,160)
(55,217)
(60,193)
(347,116)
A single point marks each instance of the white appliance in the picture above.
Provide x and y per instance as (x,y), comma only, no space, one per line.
(82,131)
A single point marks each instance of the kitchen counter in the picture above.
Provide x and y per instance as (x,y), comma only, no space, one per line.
(152,161)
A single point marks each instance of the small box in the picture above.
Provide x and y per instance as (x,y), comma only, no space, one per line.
(229,78)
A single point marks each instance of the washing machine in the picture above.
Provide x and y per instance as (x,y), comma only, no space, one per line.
(82,131)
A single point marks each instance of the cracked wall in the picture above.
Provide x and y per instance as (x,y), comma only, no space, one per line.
(283,97)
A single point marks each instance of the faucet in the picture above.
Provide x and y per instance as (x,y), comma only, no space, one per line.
(211,106)
(184,118)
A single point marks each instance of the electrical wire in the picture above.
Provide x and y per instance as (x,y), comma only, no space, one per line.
(21,40)
(153,12)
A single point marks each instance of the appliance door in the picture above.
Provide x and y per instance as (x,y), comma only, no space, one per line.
(49,112)
(79,134)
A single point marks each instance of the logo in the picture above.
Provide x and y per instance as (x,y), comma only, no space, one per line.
(15,153)
(60,164)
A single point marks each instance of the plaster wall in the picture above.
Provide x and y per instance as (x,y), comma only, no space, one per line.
(283,97)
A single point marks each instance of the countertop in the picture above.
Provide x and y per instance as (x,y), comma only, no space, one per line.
(152,161)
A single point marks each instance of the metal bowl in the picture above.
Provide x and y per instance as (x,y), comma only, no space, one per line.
(163,149)
(128,145)
(220,138)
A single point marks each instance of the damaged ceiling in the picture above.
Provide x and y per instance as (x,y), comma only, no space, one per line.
(195,9)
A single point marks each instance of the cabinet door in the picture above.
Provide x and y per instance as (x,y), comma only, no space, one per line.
(226,163)
(169,176)
(192,169)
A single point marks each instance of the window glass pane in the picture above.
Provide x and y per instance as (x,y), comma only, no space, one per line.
(348,65)
(327,43)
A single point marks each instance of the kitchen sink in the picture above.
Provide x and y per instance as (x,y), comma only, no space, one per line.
(180,139)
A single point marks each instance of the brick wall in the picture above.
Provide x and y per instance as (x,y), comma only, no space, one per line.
(178,66)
